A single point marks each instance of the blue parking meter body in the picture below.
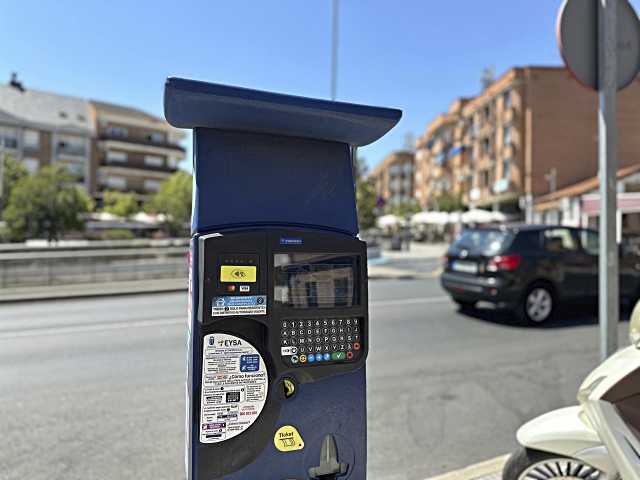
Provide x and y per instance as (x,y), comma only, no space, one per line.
(278,327)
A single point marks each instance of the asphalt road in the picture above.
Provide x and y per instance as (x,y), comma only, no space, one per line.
(93,389)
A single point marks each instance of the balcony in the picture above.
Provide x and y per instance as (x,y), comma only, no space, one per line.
(142,141)
(70,150)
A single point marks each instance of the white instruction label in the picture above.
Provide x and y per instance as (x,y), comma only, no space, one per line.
(234,387)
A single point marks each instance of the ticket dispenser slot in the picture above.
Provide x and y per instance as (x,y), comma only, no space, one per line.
(279,326)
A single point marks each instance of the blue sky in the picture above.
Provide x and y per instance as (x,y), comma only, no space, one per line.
(416,55)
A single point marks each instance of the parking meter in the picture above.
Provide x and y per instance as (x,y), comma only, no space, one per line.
(278,327)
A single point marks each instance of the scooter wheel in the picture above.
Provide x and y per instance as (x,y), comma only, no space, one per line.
(529,464)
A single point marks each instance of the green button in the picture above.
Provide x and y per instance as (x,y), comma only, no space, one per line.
(338,356)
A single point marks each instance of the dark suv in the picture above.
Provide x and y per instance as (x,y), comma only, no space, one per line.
(530,268)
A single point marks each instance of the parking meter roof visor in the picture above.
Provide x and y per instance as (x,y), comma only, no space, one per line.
(195,104)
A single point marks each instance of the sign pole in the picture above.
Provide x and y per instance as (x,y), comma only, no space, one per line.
(608,308)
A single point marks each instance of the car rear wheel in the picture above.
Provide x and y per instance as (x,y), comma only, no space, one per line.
(538,304)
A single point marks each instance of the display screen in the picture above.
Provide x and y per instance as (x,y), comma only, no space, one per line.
(315,280)
(238,273)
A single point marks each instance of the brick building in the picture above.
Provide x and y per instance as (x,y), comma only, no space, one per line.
(393,178)
(532,130)
(103,146)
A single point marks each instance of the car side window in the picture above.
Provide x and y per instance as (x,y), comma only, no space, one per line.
(559,240)
(526,241)
(590,242)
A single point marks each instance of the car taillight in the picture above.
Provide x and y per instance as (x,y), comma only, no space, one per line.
(504,263)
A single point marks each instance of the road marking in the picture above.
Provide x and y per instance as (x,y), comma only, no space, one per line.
(98,327)
(409,301)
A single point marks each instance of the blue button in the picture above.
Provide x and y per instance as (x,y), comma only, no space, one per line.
(318,357)
(327,357)
(311,358)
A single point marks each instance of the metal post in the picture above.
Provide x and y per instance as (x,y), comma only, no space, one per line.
(334,49)
(608,166)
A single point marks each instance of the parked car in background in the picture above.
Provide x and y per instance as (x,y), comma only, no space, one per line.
(531,269)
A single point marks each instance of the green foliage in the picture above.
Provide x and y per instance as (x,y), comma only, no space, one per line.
(121,204)
(12,172)
(45,205)
(174,201)
(447,202)
(117,234)
(365,196)
(406,209)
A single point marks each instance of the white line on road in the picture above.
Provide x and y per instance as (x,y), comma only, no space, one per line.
(36,332)
(409,301)
(60,330)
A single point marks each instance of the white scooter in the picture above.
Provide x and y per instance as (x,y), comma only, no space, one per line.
(598,439)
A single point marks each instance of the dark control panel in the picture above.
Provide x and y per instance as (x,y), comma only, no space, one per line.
(321,340)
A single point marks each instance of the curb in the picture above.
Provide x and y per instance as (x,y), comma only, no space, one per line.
(487,470)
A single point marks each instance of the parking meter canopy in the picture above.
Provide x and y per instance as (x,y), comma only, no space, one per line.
(280,159)
(278,329)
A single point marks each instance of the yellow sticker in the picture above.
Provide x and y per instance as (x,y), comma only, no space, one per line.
(237,274)
(287,439)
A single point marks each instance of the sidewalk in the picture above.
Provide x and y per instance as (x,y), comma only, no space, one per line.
(487,470)
(418,250)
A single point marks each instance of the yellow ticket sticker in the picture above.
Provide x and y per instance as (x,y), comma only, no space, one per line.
(238,274)
(287,439)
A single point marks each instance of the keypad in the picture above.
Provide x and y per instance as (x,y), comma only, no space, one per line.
(318,340)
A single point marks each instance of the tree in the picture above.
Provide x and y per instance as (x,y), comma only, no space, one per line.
(121,204)
(45,204)
(406,209)
(365,195)
(11,171)
(174,201)
(447,202)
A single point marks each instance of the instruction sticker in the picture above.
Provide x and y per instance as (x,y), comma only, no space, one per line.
(239,305)
(234,387)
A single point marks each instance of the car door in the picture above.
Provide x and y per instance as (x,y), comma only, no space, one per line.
(568,266)
(589,245)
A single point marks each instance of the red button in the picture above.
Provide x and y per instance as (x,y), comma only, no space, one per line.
(231,288)
(349,355)
(356,346)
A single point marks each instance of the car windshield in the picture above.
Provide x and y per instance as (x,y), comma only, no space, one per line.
(482,242)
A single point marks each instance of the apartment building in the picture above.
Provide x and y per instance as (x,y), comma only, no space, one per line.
(103,146)
(393,178)
(42,128)
(441,157)
(134,152)
(531,131)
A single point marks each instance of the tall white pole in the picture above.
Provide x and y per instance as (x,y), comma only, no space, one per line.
(608,167)
(334,49)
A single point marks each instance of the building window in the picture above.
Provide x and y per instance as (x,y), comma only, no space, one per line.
(116,157)
(31,164)
(76,170)
(152,185)
(487,113)
(156,137)
(506,100)
(117,132)
(71,145)
(172,162)
(506,169)
(153,161)
(506,135)
(486,146)
(32,139)
(484,178)
(116,183)
(9,137)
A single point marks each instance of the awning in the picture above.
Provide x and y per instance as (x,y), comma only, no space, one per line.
(627,203)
